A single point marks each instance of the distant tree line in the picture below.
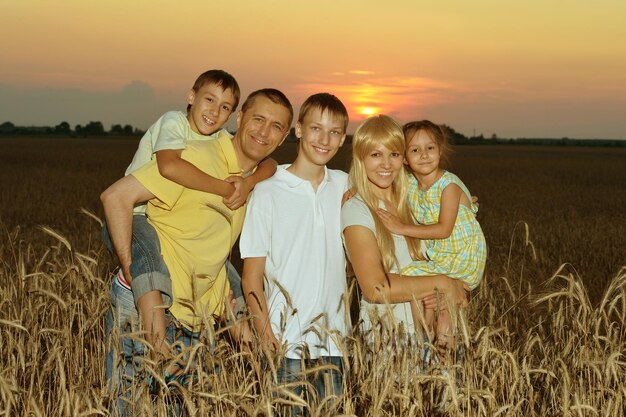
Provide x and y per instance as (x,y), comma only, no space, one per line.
(64,129)
(456,138)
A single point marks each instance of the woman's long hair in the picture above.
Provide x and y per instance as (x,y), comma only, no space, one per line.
(374,131)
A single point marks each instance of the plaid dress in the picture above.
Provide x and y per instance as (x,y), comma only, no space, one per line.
(463,254)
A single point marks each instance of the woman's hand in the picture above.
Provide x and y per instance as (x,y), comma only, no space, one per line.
(456,291)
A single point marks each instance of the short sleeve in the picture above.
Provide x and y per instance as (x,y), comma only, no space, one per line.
(256,233)
(450,178)
(168,192)
(173,133)
(355,213)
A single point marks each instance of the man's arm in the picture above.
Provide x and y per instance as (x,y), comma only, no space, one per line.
(182,172)
(244,186)
(118,201)
(252,283)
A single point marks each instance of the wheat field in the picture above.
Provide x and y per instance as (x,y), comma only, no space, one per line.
(544,335)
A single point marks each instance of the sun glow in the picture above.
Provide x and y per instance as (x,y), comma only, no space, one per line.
(368,95)
(368,111)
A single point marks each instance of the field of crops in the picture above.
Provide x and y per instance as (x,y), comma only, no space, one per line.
(545,333)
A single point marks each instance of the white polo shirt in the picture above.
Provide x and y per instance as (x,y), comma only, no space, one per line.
(298,231)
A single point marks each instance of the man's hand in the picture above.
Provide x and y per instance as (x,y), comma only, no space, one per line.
(240,194)
(391,221)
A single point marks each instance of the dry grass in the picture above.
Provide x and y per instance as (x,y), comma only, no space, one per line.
(542,336)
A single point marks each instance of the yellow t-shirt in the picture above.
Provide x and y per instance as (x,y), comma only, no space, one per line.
(196,231)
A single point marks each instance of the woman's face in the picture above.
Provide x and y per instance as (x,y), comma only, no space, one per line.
(382,166)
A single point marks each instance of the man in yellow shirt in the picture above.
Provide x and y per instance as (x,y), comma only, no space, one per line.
(196,229)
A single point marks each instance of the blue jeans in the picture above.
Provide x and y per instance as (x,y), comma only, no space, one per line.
(125,352)
(148,270)
(326,383)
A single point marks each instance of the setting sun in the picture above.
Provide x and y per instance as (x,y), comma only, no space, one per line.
(368,111)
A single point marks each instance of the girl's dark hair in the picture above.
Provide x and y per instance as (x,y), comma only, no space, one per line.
(435,131)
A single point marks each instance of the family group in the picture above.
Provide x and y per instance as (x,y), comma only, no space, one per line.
(406,226)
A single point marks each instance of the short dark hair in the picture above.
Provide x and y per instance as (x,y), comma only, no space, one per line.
(221,78)
(325,102)
(274,95)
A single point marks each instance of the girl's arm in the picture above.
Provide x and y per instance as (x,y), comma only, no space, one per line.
(449,208)
(379,287)
(184,173)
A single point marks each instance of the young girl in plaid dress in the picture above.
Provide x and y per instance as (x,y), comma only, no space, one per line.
(454,242)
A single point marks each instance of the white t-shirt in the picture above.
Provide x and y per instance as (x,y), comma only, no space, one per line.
(170,131)
(356,213)
(297,230)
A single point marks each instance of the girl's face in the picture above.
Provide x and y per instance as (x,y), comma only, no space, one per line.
(423,153)
(382,166)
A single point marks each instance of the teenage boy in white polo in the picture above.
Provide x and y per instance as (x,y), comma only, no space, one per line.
(292,237)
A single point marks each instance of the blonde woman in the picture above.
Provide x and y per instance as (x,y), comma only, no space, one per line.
(378,177)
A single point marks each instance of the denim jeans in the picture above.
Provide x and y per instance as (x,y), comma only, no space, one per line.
(148,270)
(326,383)
(125,352)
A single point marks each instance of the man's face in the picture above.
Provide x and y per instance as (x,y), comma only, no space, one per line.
(211,106)
(321,134)
(261,128)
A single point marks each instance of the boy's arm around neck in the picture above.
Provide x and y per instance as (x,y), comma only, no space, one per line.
(176,169)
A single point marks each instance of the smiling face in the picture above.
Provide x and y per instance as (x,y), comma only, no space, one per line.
(423,154)
(211,106)
(382,166)
(260,129)
(321,134)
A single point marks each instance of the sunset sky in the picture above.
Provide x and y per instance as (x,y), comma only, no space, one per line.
(516,68)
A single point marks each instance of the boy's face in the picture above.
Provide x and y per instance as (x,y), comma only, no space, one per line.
(211,106)
(261,128)
(321,134)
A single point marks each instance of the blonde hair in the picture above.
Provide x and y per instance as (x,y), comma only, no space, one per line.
(374,131)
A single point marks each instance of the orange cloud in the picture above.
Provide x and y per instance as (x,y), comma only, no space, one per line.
(365,93)
(361,72)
